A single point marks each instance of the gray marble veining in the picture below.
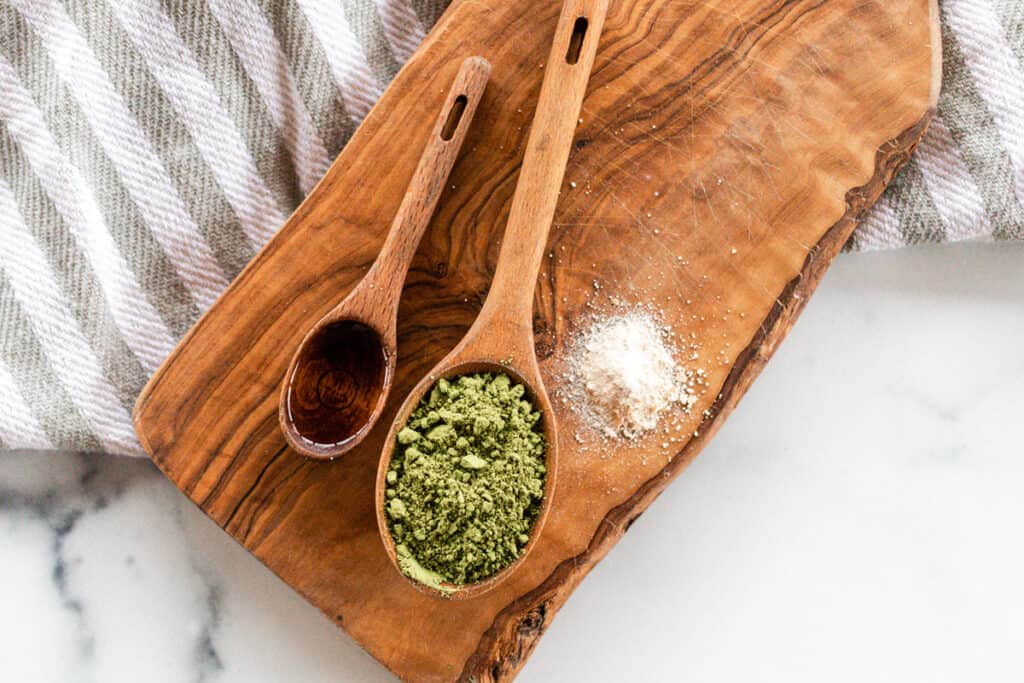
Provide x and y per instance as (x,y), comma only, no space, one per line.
(858,518)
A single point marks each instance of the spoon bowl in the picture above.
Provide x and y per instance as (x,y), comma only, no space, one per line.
(538,398)
(339,378)
(501,338)
(337,386)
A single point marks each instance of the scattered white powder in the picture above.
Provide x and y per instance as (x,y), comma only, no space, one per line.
(622,375)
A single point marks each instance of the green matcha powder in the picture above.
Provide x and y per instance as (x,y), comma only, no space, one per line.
(466,481)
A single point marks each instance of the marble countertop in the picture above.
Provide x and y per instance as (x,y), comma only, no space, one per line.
(858,518)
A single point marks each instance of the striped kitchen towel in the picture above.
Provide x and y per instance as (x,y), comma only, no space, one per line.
(149,147)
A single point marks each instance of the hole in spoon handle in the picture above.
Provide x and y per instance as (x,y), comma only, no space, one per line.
(466,93)
(451,124)
(579,32)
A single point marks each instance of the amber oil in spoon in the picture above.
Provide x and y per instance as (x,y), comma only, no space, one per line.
(336,385)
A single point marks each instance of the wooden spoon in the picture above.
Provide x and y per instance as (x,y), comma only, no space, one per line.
(339,378)
(501,338)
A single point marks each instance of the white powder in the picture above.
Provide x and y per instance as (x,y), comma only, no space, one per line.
(622,376)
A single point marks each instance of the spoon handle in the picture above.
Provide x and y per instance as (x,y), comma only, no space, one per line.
(510,301)
(388,272)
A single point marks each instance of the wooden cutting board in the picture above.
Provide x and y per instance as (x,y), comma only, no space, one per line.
(726,151)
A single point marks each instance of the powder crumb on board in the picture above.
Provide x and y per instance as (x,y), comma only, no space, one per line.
(621,377)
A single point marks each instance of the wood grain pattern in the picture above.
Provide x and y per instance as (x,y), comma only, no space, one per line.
(339,378)
(744,138)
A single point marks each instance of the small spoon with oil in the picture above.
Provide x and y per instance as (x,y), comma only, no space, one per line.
(339,378)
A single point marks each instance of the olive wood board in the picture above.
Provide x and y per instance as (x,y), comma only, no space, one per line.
(726,151)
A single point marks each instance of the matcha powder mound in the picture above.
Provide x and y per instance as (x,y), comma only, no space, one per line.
(466,481)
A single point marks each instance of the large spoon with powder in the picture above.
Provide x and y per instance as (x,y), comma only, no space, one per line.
(501,339)
(340,376)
